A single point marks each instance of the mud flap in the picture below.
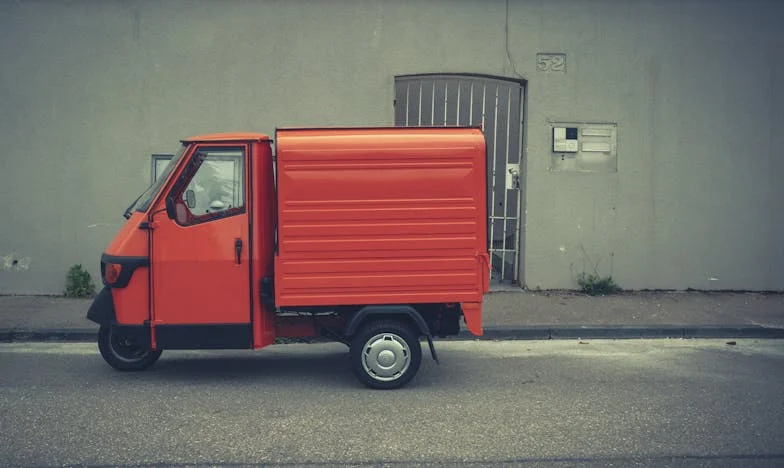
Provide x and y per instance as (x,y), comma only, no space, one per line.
(432,348)
(102,309)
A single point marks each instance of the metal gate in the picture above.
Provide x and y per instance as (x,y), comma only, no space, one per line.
(497,105)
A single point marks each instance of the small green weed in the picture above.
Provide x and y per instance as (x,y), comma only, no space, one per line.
(79,283)
(595,285)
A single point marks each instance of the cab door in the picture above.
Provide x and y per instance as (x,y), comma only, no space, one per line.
(200,262)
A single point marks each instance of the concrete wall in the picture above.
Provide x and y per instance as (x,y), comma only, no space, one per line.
(694,88)
(88,90)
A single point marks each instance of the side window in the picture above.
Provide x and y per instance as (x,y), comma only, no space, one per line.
(212,186)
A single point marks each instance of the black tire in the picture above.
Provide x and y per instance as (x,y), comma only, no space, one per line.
(385,354)
(122,354)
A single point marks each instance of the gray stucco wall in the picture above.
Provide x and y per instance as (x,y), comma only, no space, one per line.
(88,90)
(694,88)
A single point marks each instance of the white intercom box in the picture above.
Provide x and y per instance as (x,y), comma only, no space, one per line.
(584,147)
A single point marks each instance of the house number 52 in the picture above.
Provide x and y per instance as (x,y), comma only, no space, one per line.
(551,62)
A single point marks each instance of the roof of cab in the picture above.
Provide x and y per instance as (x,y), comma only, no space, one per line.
(235,136)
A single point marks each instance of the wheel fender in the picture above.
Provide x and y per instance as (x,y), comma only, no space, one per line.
(102,309)
(391,311)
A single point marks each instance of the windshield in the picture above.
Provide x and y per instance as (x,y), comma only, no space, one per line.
(144,200)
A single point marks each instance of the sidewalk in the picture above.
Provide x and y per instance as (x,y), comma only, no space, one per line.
(507,315)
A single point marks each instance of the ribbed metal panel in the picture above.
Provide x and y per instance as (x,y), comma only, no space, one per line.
(375,216)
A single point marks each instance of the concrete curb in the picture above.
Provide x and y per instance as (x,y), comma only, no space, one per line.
(48,334)
(539,332)
(625,332)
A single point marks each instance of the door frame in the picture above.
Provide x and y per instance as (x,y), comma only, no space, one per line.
(210,335)
(519,247)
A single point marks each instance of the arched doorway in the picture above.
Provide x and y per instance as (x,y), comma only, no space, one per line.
(497,104)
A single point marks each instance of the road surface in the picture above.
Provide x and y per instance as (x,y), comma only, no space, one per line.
(554,403)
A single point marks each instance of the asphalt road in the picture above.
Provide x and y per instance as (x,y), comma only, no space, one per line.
(554,403)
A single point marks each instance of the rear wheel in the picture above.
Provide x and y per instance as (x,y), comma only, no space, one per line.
(385,354)
(123,354)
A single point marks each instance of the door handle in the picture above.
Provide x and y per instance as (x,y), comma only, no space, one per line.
(238,249)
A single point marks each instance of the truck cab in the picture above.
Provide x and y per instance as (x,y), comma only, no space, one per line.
(374,237)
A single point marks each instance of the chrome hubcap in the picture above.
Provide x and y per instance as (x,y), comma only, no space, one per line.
(386,357)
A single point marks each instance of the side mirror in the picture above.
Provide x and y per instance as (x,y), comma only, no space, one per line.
(190,199)
(170,211)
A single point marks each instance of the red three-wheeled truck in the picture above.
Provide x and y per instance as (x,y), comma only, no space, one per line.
(374,237)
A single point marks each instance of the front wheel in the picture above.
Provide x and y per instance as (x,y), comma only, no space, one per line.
(123,354)
(385,354)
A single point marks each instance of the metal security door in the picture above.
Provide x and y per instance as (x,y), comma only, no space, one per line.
(497,105)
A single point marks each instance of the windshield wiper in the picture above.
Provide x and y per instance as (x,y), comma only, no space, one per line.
(128,210)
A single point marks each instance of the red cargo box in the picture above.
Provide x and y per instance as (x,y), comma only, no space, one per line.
(381,216)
